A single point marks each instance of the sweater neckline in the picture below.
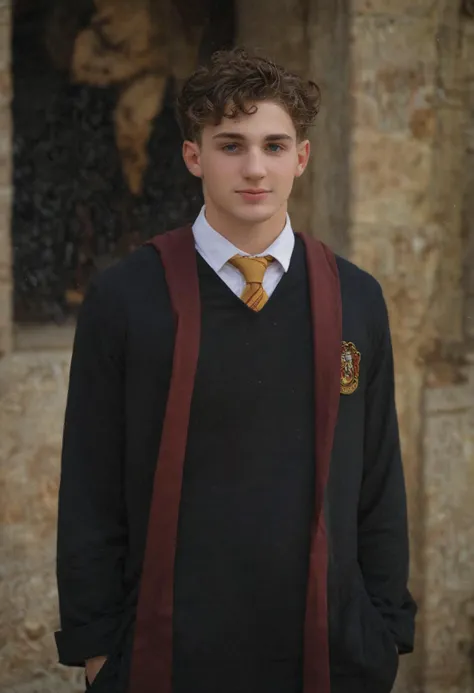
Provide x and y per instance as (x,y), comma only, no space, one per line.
(205,270)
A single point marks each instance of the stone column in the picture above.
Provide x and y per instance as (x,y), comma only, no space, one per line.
(5,181)
(449,398)
(405,164)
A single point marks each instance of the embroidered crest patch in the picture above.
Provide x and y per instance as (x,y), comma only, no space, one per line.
(350,368)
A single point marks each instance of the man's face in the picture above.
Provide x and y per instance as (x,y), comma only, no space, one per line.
(248,164)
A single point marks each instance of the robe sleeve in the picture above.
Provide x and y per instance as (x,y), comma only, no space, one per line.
(383,544)
(92,540)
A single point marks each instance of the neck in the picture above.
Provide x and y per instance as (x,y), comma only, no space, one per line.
(247,237)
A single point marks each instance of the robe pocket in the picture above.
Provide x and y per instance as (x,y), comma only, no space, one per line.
(106,679)
(365,646)
(113,675)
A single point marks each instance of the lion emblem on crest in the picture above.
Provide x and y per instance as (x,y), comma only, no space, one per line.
(350,368)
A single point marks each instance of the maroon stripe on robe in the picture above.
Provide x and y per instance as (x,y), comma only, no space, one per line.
(326,309)
(152,658)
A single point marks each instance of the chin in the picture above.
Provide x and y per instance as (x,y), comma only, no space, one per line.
(254,214)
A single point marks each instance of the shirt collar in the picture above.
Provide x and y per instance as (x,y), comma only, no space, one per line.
(217,250)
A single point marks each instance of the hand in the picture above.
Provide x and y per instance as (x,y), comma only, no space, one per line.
(93,666)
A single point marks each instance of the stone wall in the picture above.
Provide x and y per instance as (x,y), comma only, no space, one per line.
(32,396)
(448,445)
(5,179)
(448,478)
(408,178)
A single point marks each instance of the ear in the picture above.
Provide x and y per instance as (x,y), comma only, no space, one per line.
(192,157)
(303,151)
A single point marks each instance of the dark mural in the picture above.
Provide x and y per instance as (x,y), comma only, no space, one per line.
(73,212)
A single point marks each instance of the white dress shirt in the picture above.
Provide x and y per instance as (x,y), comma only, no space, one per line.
(217,251)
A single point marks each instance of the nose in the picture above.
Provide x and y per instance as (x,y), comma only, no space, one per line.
(254,165)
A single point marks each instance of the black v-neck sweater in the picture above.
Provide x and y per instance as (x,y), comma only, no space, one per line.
(247,498)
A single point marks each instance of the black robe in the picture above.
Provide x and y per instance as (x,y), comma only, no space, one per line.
(358,607)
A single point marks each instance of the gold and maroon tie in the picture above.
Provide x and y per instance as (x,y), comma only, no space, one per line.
(253,269)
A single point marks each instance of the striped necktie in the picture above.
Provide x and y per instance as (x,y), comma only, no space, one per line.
(253,269)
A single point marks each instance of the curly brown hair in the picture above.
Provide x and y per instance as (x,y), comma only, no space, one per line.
(233,83)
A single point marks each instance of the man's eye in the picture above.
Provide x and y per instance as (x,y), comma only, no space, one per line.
(231,148)
(275,147)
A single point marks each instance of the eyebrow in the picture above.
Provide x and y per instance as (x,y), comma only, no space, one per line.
(240,137)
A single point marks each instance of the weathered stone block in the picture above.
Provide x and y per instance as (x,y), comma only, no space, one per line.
(417,8)
(449,527)
(451,75)
(5,317)
(469,317)
(6,341)
(5,89)
(5,128)
(395,105)
(5,143)
(467,50)
(32,398)
(398,257)
(391,180)
(5,37)
(384,43)
(394,77)
(6,166)
(5,233)
(446,208)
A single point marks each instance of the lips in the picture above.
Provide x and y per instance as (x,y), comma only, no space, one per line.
(253,196)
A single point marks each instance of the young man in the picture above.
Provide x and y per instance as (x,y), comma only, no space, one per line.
(232,510)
